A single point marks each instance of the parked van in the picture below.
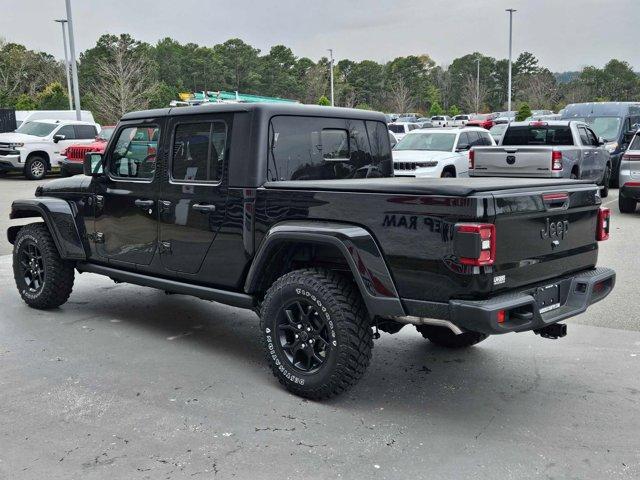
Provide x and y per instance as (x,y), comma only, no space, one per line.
(615,122)
(30,115)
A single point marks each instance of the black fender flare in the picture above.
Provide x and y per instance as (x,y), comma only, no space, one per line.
(359,249)
(59,216)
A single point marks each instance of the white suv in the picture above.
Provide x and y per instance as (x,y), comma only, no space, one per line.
(442,152)
(35,147)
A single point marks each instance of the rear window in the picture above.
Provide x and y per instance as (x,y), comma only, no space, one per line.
(543,135)
(396,128)
(311,148)
(635,144)
(437,118)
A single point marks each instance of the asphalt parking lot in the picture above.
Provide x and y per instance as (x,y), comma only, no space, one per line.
(127,382)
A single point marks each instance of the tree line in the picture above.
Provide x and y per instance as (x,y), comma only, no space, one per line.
(121,74)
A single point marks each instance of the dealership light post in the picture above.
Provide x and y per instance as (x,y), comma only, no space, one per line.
(511,11)
(331,74)
(478,87)
(74,66)
(62,22)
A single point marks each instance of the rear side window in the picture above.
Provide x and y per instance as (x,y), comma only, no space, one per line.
(311,148)
(396,128)
(543,135)
(198,151)
(85,132)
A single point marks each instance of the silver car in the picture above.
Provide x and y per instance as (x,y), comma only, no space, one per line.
(630,177)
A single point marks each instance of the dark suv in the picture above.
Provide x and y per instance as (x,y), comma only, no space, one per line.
(290,211)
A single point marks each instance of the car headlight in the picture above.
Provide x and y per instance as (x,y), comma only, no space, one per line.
(611,146)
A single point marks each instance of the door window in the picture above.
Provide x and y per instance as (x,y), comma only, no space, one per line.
(68,132)
(593,138)
(584,136)
(134,153)
(85,132)
(198,151)
(463,140)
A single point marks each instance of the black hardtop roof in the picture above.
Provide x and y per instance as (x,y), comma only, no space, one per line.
(269,109)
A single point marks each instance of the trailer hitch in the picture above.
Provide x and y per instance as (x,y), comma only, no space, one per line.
(554,331)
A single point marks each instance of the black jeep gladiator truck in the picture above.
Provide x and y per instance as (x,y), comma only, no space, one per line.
(292,211)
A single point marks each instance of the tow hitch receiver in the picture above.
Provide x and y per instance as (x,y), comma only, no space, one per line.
(554,331)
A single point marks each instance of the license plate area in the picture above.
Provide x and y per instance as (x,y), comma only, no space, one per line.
(547,297)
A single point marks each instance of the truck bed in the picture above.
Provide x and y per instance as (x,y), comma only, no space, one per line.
(462,187)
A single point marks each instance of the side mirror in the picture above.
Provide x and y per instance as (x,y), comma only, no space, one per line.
(58,137)
(601,141)
(92,165)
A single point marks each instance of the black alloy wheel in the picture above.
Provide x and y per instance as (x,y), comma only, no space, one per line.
(32,267)
(303,336)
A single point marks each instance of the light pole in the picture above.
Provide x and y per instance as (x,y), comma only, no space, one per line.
(62,22)
(478,87)
(511,11)
(331,75)
(74,67)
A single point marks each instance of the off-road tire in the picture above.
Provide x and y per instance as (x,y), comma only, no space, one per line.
(444,337)
(339,300)
(58,274)
(626,205)
(35,173)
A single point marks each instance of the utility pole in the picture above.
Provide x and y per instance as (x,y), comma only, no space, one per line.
(74,66)
(62,22)
(331,62)
(478,87)
(511,12)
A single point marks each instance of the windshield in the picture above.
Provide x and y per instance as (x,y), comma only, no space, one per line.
(105,133)
(396,128)
(430,141)
(605,127)
(37,129)
(499,129)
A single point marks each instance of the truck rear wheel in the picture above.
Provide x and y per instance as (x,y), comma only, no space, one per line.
(444,337)
(316,333)
(35,168)
(627,205)
(44,280)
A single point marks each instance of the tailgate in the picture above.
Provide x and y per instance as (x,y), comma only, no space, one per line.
(513,161)
(545,234)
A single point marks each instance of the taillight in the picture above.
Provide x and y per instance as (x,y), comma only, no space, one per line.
(556,160)
(475,243)
(604,221)
(471,159)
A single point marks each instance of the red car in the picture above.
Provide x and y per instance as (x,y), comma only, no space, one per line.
(72,164)
(484,120)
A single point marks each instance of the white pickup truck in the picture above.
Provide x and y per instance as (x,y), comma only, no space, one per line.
(34,148)
(553,149)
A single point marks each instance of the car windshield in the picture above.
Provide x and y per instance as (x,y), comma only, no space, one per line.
(396,128)
(37,129)
(461,117)
(480,117)
(605,127)
(105,134)
(499,129)
(430,141)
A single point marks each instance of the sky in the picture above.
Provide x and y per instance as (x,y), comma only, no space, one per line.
(563,34)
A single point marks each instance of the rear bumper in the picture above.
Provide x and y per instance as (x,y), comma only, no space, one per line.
(576,293)
(631,191)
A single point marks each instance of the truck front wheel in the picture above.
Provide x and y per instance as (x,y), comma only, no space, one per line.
(35,168)
(44,280)
(316,333)
(444,337)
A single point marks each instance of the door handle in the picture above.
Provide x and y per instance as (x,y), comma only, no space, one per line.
(144,203)
(203,207)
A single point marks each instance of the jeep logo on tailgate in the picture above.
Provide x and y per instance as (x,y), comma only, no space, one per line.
(554,229)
